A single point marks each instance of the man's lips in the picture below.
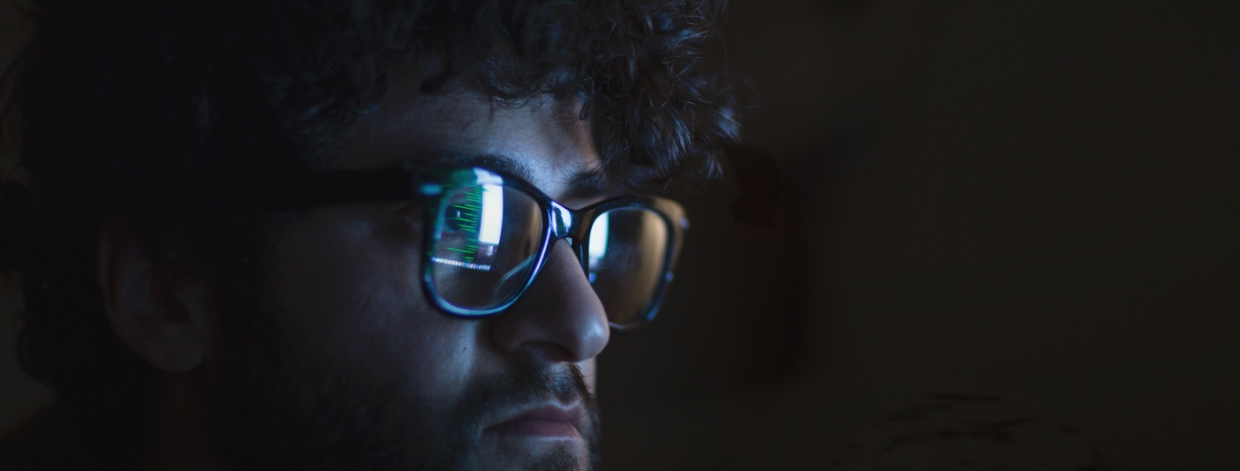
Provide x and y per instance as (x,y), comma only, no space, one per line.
(549,421)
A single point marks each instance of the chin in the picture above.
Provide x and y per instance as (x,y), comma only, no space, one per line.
(535,454)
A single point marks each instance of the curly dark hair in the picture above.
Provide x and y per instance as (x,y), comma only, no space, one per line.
(152,110)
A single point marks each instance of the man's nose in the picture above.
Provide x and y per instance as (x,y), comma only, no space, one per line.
(559,319)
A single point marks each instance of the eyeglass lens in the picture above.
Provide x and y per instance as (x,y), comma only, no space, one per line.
(488,243)
(489,238)
(626,255)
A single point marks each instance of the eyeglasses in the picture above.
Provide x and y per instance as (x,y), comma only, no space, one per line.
(488,234)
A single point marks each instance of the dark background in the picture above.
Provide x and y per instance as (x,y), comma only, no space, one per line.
(1038,201)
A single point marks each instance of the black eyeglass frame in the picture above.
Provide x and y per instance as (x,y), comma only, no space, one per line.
(430,187)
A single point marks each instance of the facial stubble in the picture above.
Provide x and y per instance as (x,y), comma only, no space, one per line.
(276,403)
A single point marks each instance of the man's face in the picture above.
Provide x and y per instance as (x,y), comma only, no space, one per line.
(357,369)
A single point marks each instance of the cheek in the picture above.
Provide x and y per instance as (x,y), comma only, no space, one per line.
(356,301)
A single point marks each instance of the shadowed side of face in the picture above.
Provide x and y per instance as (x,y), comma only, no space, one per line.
(344,364)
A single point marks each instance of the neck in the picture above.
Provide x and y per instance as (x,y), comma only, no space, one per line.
(179,443)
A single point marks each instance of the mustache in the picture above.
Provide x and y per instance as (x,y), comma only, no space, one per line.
(525,383)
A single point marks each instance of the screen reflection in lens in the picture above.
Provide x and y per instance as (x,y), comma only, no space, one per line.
(487,241)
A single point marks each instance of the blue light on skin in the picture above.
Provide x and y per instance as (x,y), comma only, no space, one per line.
(361,306)
(345,288)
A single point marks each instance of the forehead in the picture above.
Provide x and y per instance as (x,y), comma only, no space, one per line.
(541,137)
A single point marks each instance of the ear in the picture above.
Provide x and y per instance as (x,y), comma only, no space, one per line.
(162,321)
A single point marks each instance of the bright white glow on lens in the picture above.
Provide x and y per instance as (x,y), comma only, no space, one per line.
(485,176)
(598,238)
(492,214)
(492,206)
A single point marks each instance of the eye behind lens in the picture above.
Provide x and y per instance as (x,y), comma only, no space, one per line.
(488,238)
(628,262)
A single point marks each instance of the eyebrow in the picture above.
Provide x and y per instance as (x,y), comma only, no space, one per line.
(582,185)
(588,185)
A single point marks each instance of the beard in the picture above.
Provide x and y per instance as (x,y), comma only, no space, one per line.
(275,404)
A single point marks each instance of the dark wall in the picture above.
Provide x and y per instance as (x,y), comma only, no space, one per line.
(1036,202)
